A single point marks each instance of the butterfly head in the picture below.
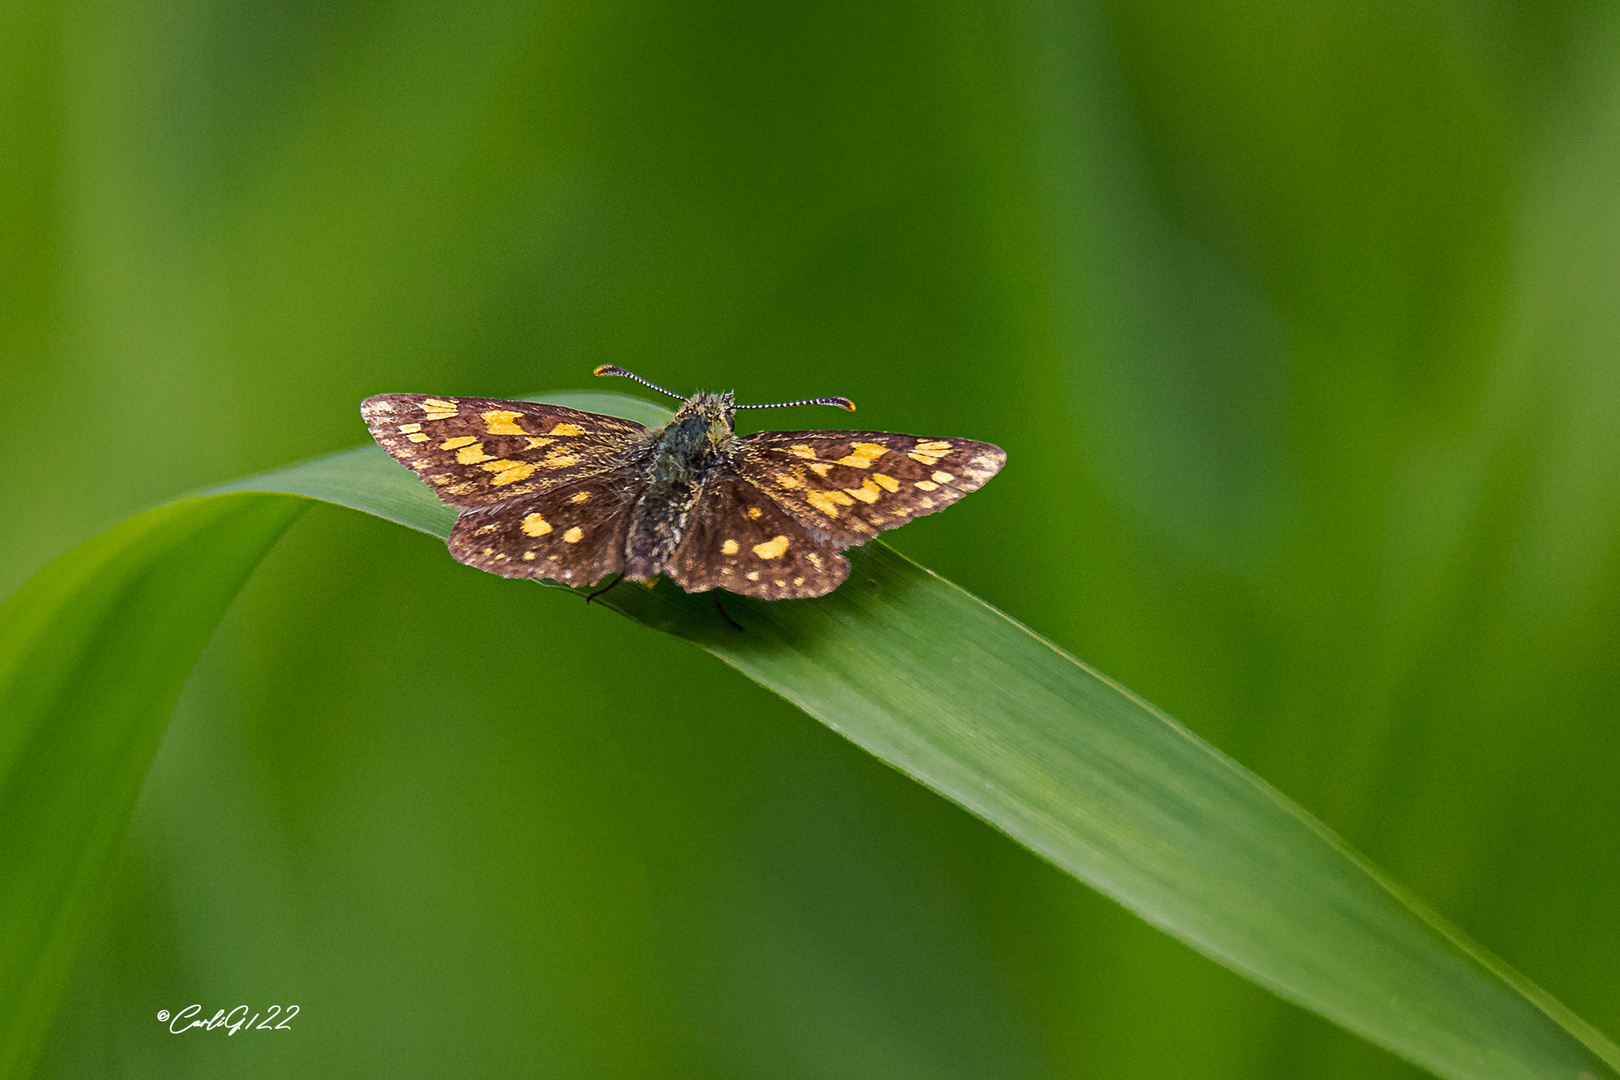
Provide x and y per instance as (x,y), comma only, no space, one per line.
(708,416)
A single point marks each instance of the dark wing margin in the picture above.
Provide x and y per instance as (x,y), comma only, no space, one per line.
(739,540)
(851,485)
(573,533)
(481,451)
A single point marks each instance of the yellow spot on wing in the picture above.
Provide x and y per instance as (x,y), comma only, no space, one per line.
(574,535)
(862,454)
(472,455)
(458,442)
(815,560)
(801,450)
(924,459)
(502,422)
(729,547)
(927,485)
(752,575)
(828,502)
(789,482)
(771,549)
(887,483)
(437,409)
(507,471)
(755,512)
(417,436)
(868,492)
(989,462)
(934,446)
(580,497)
(943,477)
(821,468)
(567,429)
(406,429)
(534,443)
(535,525)
(528,556)
(560,461)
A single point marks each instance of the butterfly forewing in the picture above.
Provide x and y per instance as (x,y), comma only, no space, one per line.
(477,452)
(850,485)
(573,533)
(741,541)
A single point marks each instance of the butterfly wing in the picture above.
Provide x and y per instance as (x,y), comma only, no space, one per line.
(739,540)
(850,485)
(573,533)
(476,452)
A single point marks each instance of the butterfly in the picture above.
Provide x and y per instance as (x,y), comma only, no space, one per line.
(570,496)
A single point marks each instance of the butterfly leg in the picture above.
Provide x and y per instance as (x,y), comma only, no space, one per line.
(721,608)
(605,588)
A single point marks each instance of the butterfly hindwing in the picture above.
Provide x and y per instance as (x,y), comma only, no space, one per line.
(739,540)
(477,452)
(851,485)
(573,533)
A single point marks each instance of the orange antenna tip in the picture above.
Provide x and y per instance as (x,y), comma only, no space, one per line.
(836,402)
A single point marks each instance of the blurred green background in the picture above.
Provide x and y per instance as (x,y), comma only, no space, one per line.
(1300,323)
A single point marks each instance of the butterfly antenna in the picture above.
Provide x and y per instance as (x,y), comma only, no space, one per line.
(611,369)
(837,402)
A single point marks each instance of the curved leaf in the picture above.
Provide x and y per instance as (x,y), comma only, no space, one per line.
(907,665)
(93,653)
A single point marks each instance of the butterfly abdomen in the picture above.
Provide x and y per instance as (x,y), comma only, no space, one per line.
(657,526)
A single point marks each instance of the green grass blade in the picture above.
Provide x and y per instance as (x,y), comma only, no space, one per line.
(93,653)
(969,702)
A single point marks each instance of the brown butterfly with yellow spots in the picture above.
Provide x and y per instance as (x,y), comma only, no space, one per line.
(571,496)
